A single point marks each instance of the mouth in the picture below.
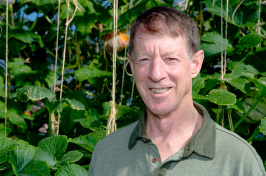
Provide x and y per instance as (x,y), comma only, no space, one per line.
(159,91)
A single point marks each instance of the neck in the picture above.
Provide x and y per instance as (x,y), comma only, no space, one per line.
(171,132)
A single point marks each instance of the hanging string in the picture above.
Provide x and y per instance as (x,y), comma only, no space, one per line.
(259,23)
(6,66)
(226,19)
(68,21)
(222,61)
(111,125)
(57,38)
(233,15)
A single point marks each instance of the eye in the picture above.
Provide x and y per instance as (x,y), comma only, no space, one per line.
(171,59)
(143,60)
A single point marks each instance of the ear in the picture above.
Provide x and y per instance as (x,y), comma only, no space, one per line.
(131,61)
(196,63)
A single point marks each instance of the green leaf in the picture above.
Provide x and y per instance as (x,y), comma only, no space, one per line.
(122,110)
(88,141)
(84,26)
(50,77)
(6,145)
(239,69)
(74,104)
(51,148)
(214,37)
(21,156)
(37,167)
(197,84)
(71,157)
(221,97)
(20,71)
(261,85)
(242,84)
(250,40)
(263,126)
(34,93)
(89,73)
(16,119)
(92,120)
(25,36)
(68,117)
(71,169)
(215,42)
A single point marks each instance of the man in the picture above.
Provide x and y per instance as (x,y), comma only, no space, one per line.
(174,135)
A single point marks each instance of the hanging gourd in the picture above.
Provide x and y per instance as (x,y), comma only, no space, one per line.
(121,40)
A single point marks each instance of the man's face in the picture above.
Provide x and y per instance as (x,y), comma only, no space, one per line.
(163,72)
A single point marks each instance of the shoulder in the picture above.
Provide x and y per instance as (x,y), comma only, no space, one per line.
(231,145)
(117,139)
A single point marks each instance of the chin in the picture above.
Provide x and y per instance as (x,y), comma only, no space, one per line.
(160,111)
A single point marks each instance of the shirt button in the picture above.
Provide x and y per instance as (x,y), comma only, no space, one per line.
(154,159)
(144,140)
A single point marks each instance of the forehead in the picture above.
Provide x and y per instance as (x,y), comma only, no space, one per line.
(146,41)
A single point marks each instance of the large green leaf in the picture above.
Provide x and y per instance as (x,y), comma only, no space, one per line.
(51,148)
(239,69)
(34,93)
(71,157)
(215,43)
(6,145)
(21,156)
(16,119)
(250,40)
(55,145)
(221,97)
(90,72)
(242,84)
(263,126)
(71,169)
(88,141)
(214,37)
(25,36)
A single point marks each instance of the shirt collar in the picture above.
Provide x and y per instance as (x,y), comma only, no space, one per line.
(202,143)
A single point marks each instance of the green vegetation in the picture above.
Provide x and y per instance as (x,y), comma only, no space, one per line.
(235,98)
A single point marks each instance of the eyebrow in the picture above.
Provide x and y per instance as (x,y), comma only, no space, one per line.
(169,53)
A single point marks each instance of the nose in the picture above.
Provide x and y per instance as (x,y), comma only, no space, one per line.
(157,70)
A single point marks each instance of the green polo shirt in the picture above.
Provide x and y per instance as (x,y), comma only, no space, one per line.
(213,150)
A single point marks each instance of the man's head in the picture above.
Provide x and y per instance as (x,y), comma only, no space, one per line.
(166,21)
(164,58)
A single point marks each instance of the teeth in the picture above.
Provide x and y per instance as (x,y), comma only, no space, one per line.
(159,90)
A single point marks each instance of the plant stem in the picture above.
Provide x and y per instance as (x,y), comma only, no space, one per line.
(254,134)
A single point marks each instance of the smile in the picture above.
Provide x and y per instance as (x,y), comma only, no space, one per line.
(158,91)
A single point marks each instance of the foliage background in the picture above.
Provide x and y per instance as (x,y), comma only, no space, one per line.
(236,101)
